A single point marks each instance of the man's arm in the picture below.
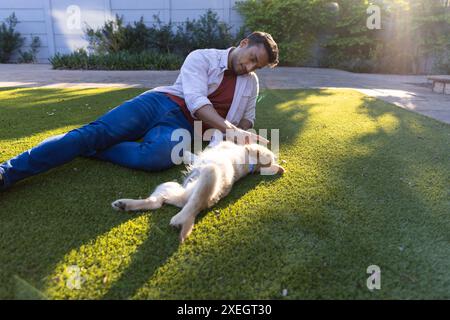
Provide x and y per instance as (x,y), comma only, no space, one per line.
(249,115)
(208,114)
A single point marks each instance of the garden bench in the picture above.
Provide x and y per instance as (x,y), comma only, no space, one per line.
(441,84)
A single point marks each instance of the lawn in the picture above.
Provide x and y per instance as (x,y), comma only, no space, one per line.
(367,184)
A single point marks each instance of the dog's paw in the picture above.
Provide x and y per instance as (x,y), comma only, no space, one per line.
(185,223)
(177,220)
(119,205)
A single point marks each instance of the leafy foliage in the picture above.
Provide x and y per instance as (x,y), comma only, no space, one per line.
(30,55)
(413,33)
(294,24)
(114,36)
(417,37)
(121,60)
(10,40)
(117,46)
(351,44)
(207,32)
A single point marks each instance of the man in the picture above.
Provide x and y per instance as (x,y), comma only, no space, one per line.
(217,87)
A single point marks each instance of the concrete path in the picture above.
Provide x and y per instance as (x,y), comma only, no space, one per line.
(409,92)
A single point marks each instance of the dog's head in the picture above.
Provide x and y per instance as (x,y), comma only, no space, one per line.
(261,159)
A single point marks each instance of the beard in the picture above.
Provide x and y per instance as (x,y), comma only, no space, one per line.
(238,68)
(236,65)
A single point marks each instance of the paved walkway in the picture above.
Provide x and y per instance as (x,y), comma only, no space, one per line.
(409,92)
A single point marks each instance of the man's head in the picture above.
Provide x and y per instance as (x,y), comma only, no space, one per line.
(256,51)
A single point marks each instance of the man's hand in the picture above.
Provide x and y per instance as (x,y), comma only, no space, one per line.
(240,136)
(245,124)
(208,114)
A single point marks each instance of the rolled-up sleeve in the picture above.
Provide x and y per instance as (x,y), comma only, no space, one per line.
(250,109)
(194,79)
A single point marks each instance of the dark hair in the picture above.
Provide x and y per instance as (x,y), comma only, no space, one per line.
(259,37)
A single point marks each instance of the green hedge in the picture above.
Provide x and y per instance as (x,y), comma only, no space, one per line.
(146,60)
(421,30)
(294,24)
(116,46)
(115,36)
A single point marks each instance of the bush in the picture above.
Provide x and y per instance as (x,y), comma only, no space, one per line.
(30,55)
(116,46)
(298,25)
(351,45)
(413,31)
(294,24)
(10,40)
(207,32)
(417,32)
(115,37)
(123,60)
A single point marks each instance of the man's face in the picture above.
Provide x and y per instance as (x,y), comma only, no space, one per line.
(245,58)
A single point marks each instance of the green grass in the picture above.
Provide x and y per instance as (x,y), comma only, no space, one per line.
(367,183)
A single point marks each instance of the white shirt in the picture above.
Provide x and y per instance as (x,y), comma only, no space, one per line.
(201,74)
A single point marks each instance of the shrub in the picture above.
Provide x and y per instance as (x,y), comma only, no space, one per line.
(30,55)
(416,33)
(294,24)
(207,32)
(122,60)
(298,25)
(116,46)
(413,31)
(10,40)
(351,45)
(115,37)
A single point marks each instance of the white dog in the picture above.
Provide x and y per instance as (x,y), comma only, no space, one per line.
(211,175)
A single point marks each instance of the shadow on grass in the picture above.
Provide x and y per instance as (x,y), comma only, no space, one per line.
(149,257)
(290,121)
(26,112)
(45,218)
(346,203)
(378,195)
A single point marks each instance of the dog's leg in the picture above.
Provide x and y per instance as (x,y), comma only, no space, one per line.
(170,192)
(151,203)
(203,195)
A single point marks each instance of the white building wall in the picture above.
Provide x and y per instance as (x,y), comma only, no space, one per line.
(60,23)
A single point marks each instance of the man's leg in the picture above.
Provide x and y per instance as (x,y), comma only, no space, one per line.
(154,153)
(128,121)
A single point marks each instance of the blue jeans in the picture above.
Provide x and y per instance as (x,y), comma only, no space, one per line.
(151,116)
